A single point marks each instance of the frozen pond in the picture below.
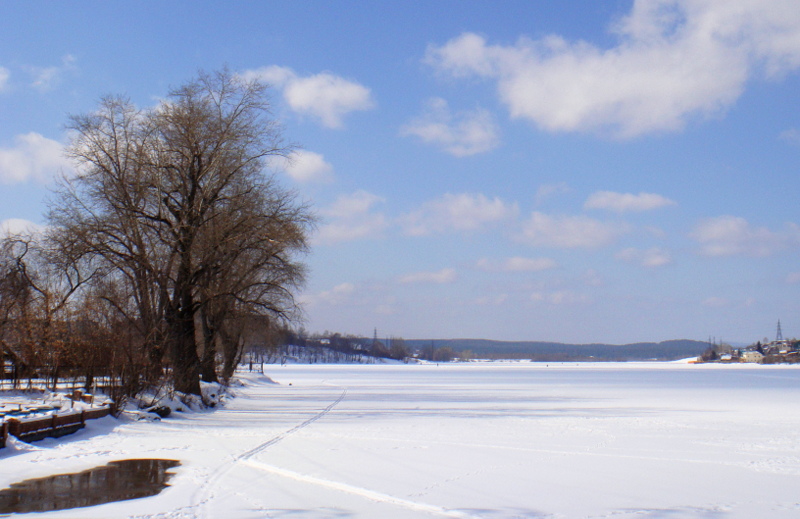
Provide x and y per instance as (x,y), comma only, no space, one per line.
(465,440)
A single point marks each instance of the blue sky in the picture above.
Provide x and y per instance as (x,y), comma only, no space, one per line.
(570,171)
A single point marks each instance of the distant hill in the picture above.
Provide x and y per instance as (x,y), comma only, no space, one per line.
(556,352)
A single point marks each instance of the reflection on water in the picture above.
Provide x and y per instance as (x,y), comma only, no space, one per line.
(117,481)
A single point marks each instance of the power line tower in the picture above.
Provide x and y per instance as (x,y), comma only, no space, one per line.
(779,335)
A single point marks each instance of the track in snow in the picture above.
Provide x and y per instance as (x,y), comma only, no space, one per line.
(203,494)
(358,491)
(281,436)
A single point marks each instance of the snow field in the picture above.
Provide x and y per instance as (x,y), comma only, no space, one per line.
(495,440)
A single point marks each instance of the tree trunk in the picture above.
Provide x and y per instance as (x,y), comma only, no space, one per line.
(185,363)
(232,348)
(180,320)
(208,371)
(55,377)
(89,378)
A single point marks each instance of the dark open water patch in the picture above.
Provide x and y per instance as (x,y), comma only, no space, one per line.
(117,481)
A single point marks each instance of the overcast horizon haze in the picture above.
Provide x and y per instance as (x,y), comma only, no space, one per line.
(578,172)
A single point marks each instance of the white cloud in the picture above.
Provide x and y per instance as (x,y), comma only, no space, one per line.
(352,217)
(465,133)
(732,235)
(518,264)
(327,97)
(273,75)
(650,258)
(4,75)
(569,231)
(461,212)
(33,157)
(440,277)
(46,78)
(19,227)
(323,96)
(306,167)
(338,295)
(674,60)
(356,203)
(626,202)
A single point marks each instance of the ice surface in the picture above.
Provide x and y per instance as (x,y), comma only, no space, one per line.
(495,440)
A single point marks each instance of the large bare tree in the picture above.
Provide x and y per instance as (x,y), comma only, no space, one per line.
(175,203)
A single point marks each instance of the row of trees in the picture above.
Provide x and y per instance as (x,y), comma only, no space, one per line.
(355,345)
(166,248)
(392,348)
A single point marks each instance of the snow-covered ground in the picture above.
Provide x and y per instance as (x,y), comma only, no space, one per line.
(495,440)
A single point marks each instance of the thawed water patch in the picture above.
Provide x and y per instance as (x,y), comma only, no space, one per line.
(116,481)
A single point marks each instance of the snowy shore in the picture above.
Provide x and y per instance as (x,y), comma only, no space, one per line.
(495,440)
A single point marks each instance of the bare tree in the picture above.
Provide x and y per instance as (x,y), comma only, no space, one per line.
(398,349)
(175,203)
(36,284)
(15,300)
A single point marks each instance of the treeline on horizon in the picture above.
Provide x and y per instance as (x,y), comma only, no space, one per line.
(444,350)
(555,351)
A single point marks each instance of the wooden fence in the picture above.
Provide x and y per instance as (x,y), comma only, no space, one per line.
(52,426)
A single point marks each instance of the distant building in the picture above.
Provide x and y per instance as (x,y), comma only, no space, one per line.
(752,356)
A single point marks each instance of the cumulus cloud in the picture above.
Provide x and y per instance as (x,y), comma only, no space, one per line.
(440,277)
(674,60)
(626,202)
(731,235)
(352,217)
(305,167)
(569,231)
(273,75)
(465,133)
(323,96)
(650,258)
(460,212)
(33,157)
(518,264)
